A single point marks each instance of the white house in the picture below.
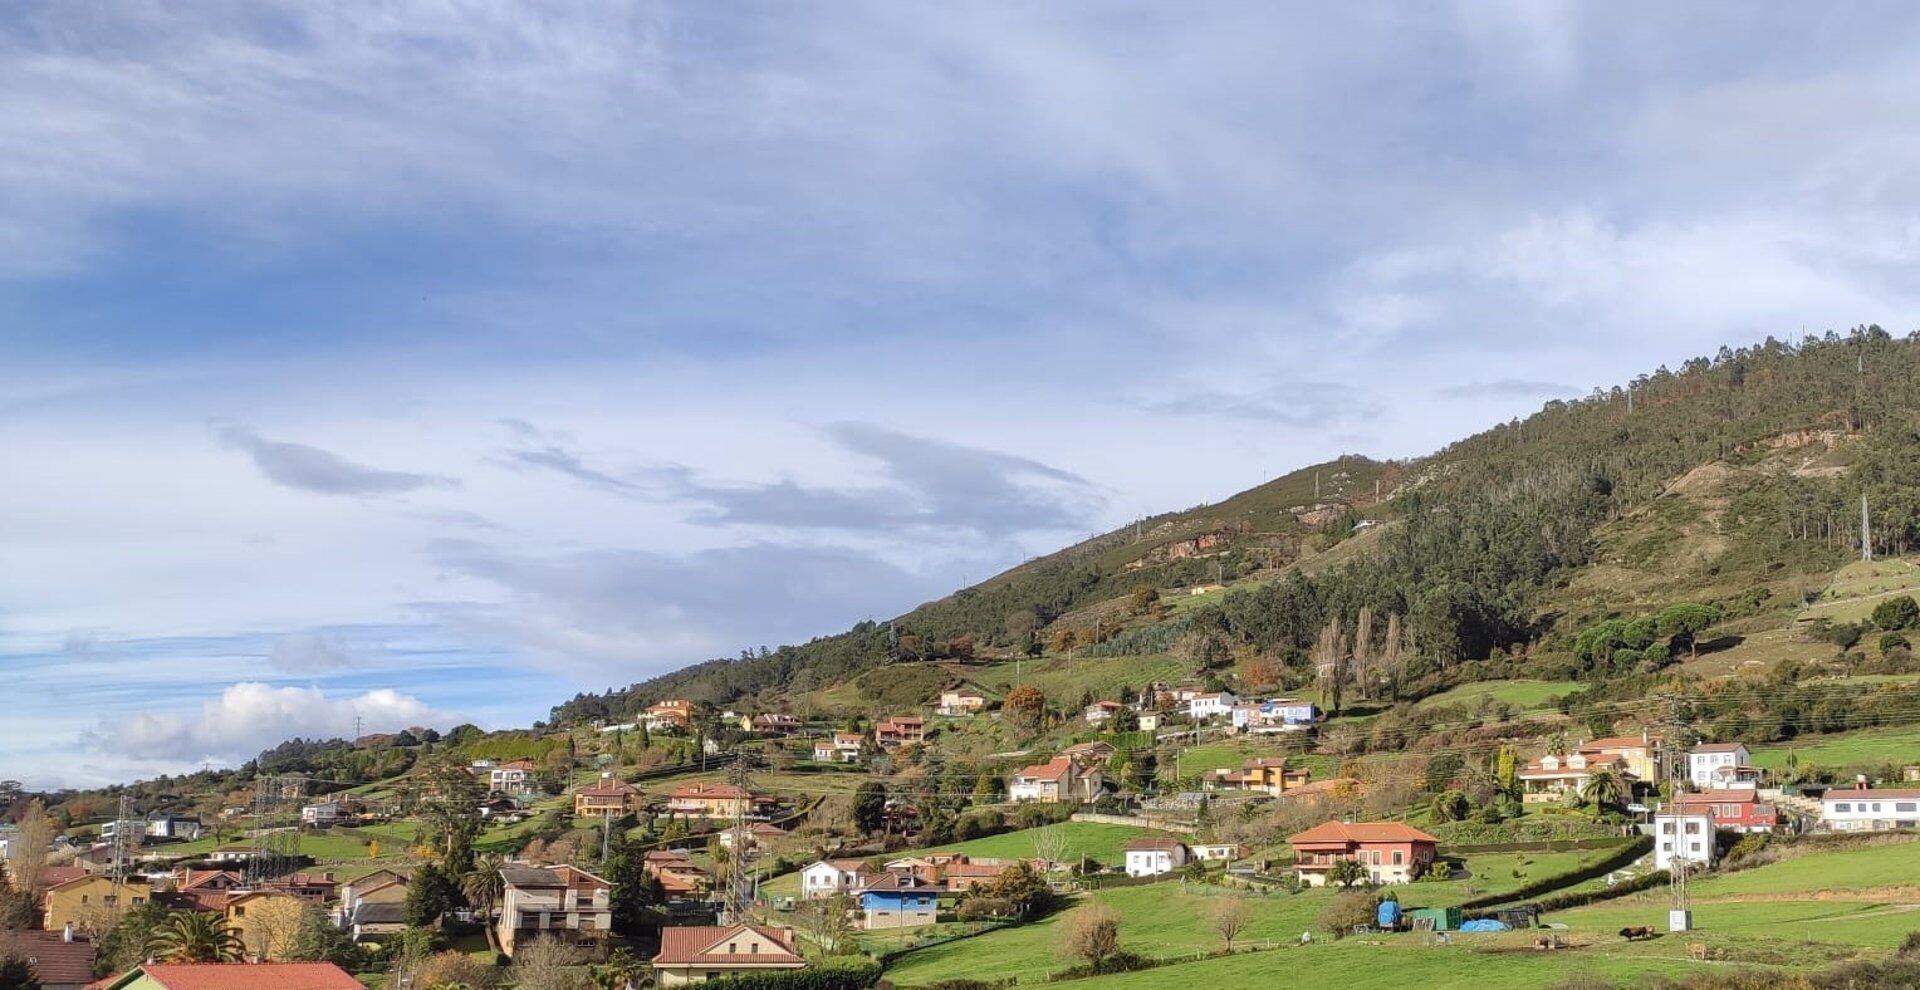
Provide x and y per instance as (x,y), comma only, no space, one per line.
(843,747)
(324,813)
(1705,760)
(1682,833)
(1101,711)
(1206,706)
(961,701)
(1149,721)
(1870,809)
(1208,852)
(831,876)
(1152,857)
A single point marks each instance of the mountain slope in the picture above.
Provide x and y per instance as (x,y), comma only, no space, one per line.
(1749,466)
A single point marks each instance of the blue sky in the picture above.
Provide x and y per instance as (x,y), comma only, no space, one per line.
(432,362)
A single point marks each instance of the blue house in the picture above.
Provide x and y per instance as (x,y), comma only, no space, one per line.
(897,899)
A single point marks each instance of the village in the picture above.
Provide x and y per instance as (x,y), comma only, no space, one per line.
(726,877)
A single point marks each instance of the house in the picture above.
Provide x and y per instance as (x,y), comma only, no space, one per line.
(965,876)
(378,887)
(1208,852)
(202,890)
(961,701)
(757,834)
(607,796)
(1392,852)
(324,813)
(843,747)
(1705,759)
(710,801)
(1275,715)
(1640,754)
(674,714)
(266,921)
(698,953)
(1863,809)
(1090,754)
(60,960)
(1147,857)
(900,730)
(1682,833)
(678,875)
(1205,706)
(314,888)
(1558,776)
(1059,780)
(897,899)
(563,902)
(829,877)
(511,777)
(1149,721)
(1736,809)
(230,854)
(773,723)
(1268,775)
(1100,712)
(232,976)
(372,921)
(181,828)
(90,903)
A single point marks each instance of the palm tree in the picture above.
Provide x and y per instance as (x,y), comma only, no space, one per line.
(1606,789)
(195,937)
(484,887)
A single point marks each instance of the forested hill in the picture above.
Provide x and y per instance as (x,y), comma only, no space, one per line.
(1474,542)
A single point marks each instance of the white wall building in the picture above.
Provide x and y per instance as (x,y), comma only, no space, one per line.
(1704,760)
(1683,834)
(1152,857)
(1206,706)
(1870,809)
(829,877)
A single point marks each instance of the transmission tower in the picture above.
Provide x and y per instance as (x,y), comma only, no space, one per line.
(276,832)
(1680,905)
(740,882)
(123,842)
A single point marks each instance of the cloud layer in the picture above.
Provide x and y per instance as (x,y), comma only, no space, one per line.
(250,716)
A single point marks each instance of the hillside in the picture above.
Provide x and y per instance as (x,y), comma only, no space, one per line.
(1737,477)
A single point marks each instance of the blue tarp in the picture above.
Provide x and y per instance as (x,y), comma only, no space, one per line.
(1389,914)
(1484,925)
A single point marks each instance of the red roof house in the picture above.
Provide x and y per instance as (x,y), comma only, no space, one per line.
(697,953)
(1391,851)
(234,976)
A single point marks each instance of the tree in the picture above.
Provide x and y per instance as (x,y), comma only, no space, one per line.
(1229,915)
(548,964)
(1020,887)
(318,939)
(827,921)
(1124,720)
(124,945)
(1685,621)
(27,852)
(1606,790)
(869,806)
(1025,709)
(1346,912)
(1450,806)
(1142,600)
(431,894)
(1897,613)
(450,813)
(1092,933)
(635,894)
(17,974)
(195,937)
(484,887)
(1346,872)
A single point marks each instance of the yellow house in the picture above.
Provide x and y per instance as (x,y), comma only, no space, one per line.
(91,903)
(266,921)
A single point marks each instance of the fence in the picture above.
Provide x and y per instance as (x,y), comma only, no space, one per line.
(1134,820)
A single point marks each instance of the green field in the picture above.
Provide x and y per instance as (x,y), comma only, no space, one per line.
(1521,694)
(1401,962)
(1231,753)
(1098,842)
(1893,744)
(1059,678)
(1170,918)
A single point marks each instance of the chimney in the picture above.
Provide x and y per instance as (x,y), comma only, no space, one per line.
(66,935)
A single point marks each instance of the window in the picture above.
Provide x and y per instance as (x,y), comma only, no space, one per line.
(1399,857)
(1876,806)
(1843,807)
(732,948)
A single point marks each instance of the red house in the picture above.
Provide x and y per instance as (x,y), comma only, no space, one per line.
(1739,810)
(1391,852)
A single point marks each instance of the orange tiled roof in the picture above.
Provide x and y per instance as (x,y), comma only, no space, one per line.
(690,944)
(1362,832)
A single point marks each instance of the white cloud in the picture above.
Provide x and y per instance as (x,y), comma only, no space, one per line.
(251,716)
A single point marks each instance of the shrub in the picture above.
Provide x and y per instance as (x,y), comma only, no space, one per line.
(1897,613)
(1892,641)
(838,974)
(1346,912)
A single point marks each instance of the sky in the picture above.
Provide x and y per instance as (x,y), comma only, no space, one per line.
(428,362)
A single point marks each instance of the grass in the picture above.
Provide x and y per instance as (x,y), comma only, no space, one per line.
(1231,753)
(1521,694)
(1396,963)
(1898,744)
(1061,679)
(1099,842)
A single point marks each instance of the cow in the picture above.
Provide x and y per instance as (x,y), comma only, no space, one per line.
(1636,932)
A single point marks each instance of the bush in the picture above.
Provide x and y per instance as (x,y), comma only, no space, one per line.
(1346,912)
(837,974)
(1897,613)
(1892,641)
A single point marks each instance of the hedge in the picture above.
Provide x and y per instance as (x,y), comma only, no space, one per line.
(1547,845)
(1574,899)
(854,974)
(1631,851)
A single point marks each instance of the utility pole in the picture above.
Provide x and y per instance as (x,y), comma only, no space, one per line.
(359,726)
